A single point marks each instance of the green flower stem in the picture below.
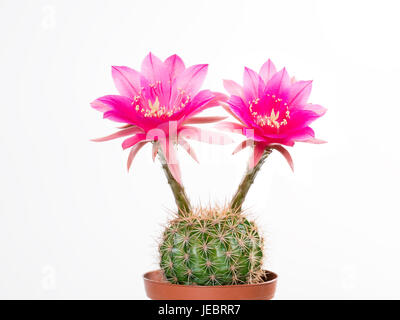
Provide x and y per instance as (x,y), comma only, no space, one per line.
(247,181)
(178,191)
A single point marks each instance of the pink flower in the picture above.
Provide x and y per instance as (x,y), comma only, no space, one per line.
(272,109)
(157,105)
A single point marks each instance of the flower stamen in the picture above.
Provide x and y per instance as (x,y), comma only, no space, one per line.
(273,119)
(154,109)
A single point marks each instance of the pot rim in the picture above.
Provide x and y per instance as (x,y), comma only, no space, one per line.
(146,278)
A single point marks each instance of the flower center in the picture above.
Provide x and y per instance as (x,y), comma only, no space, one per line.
(151,103)
(271,111)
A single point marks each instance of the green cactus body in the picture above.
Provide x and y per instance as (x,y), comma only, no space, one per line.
(211,248)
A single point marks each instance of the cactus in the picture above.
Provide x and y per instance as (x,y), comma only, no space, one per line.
(211,247)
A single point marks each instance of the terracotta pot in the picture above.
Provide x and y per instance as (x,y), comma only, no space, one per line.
(159,289)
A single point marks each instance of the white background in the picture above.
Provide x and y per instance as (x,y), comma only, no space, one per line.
(74,224)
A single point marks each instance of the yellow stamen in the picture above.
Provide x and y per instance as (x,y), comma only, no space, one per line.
(154,107)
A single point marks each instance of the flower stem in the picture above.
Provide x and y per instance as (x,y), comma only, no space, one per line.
(177,189)
(247,181)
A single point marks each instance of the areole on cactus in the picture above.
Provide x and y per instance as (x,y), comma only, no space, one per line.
(159,105)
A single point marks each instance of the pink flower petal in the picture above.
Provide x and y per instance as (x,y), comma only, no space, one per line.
(116,108)
(299,119)
(174,65)
(132,154)
(241,111)
(267,71)
(252,84)
(206,136)
(319,110)
(153,68)
(301,135)
(158,76)
(243,145)
(204,103)
(203,100)
(253,135)
(119,134)
(192,79)
(131,141)
(299,93)
(102,104)
(127,81)
(315,141)
(285,153)
(126,126)
(230,126)
(198,120)
(188,148)
(113,116)
(233,88)
(279,83)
